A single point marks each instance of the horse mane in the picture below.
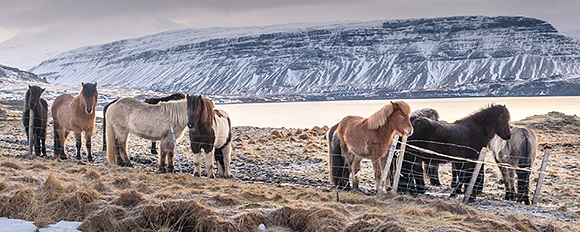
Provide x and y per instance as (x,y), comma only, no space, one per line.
(483,113)
(380,117)
(89,89)
(177,110)
(207,113)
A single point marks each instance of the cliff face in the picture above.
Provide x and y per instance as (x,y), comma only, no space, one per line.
(461,56)
(10,74)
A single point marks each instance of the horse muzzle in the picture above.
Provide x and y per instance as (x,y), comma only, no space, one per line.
(409,133)
(89,110)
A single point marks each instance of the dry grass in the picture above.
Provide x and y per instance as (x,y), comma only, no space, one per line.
(12,165)
(128,198)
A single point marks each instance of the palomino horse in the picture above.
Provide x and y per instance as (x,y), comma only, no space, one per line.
(519,151)
(367,138)
(155,100)
(153,122)
(75,114)
(40,108)
(463,139)
(210,132)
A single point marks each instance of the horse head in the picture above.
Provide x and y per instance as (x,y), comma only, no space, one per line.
(503,127)
(90,95)
(33,96)
(199,113)
(400,118)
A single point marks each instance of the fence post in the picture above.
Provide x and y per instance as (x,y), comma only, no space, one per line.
(541,177)
(399,164)
(30,133)
(176,150)
(384,181)
(474,177)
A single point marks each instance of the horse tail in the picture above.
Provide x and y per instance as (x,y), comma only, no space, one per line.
(112,151)
(105,123)
(528,148)
(339,172)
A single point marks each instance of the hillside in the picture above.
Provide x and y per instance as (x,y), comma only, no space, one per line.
(280,180)
(453,56)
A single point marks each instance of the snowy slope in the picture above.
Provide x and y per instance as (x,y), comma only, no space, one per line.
(468,54)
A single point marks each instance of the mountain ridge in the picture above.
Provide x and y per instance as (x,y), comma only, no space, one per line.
(466,55)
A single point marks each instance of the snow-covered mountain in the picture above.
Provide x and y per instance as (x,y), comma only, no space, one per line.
(11,75)
(453,56)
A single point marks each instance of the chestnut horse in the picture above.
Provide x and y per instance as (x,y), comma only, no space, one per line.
(369,138)
(40,108)
(75,114)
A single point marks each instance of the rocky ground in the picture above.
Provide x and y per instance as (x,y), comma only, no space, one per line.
(295,159)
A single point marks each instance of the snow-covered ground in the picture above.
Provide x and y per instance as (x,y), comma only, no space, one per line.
(17,225)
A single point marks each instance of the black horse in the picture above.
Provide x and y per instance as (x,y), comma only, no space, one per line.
(152,101)
(40,108)
(463,139)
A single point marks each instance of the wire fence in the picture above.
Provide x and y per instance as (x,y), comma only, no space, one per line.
(411,167)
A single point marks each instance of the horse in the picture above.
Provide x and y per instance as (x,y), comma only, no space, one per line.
(210,133)
(518,151)
(172,97)
(368,138)
(463,139)
(334,147)
(75,114)
(153,122)
(32,101)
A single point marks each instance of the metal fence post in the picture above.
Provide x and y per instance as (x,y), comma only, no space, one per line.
(384,182)
(474,177)
(399,164)
(31,132)
(541,177)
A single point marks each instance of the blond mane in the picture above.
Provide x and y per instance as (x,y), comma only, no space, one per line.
(380,117)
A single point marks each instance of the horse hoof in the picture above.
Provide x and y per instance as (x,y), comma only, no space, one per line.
(63,157)
(196,174)
(78,157)
(90,159)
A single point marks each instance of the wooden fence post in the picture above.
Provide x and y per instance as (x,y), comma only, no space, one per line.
(30,133)
(384,182)
(541,177)
(399,164)
(176,150)
(474,177)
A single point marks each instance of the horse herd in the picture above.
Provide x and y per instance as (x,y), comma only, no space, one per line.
(351,140)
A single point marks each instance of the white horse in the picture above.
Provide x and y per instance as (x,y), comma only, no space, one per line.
(153,122)
(210,132)
(518,151)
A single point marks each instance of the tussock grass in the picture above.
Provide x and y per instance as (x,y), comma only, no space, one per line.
(12,165)
(250,221)
(121,182)
(91,175)
(128,198)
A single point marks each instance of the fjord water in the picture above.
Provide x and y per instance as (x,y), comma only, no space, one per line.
(309,114)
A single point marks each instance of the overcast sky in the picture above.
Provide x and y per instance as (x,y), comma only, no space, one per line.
(67,24)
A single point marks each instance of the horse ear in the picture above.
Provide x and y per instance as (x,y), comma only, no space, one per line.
(29,86)
(82,83)
(95,84)
(42,91)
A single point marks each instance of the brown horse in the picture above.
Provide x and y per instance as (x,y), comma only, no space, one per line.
(75,114)
(370,138)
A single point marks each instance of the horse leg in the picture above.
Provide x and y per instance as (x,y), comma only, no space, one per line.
(432,172)
(377,168)
(88,136)
(505,173)
(122,152)
(169,154)
(227,151)
(162,155)
(457,172)
(219,158)
(78,137)
(417,176)
(36,143)
(523,179)
(154,147)
(197,164)
(355,170)
(209,160)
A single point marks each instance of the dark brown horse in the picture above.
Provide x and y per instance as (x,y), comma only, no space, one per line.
(463,139)
(40,108)
(367,138)
(153,101)
(210,133)
(75,114)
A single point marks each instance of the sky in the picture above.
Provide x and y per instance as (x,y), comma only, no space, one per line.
(34,30)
